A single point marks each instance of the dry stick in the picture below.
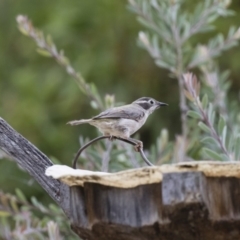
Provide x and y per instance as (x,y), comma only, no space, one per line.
(130,141)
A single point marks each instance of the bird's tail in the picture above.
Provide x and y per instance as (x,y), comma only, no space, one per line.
(77,122)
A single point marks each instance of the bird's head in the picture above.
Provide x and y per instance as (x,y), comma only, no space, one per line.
(149,104)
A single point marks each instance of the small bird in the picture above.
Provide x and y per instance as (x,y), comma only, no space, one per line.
(125,120)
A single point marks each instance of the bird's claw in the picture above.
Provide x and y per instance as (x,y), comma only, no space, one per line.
(111,138)
(138,146)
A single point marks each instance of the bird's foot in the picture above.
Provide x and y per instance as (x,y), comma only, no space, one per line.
(111,137)
(138,146)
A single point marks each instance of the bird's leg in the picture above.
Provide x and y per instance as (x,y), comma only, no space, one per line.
(137,144)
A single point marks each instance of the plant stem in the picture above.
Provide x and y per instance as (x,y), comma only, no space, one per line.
(183,106)
(178,74)
(213,131)
(49,49)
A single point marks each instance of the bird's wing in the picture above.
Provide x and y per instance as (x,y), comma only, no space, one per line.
(127,111)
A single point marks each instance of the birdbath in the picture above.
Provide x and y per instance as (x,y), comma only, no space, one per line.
(191,200)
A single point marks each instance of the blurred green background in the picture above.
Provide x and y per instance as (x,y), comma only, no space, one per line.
(37,97)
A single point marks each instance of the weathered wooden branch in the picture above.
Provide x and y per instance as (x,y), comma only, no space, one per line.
(188,201)
(34,162)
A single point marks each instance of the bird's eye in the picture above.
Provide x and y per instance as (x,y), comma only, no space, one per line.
(151,102)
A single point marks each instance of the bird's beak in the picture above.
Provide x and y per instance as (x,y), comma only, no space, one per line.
(161,104)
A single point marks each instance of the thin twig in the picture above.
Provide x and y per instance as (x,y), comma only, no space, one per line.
(48,48)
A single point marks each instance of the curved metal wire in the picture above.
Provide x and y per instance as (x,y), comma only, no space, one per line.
(84,147)
(130,141)
(135,142)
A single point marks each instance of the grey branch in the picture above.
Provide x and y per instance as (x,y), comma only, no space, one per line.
(34,162)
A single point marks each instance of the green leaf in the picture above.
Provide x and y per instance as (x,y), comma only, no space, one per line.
(211,154)
(14,205)
(220,38)
(116,152)
(212,18)
(164,138)
(155,44)
(194,114)
(210,110)
(20,195)
(4,214)
(224,135)
(94,91)
(188,95)
(38,204)
(94,104)
(44,53)
(93,88)
(145,8)
(204,127)
(237,148)
(225,75)
(226,86)
(210,140)
(221,124)
(144,22)
(231,31)
(205,101)
(212,117)
(49,40)
(163,64)
(34,201)
(23,31)
(55,209)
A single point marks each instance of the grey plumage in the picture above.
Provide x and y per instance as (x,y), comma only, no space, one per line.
(127,111)
(125,120)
